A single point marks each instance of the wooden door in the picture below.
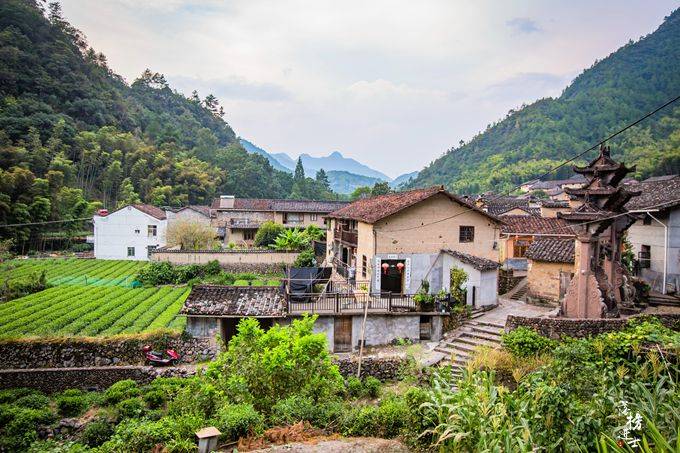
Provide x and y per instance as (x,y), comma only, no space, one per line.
(342,334)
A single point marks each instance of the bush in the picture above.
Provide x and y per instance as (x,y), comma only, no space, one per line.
(143,435)
(239,420)
(23,286)
(130,408)
(71,403)
(96,433)
(33,401)
(354,387)
(306,258)
(526,342)
(155,398)
(21,429)
(120,391)
(369,387)
(198,398)
(11,395)
(372,387)
(299,408)
(267,233)
(360,421)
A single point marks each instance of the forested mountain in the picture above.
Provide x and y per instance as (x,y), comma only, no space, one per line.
(75,136)
(254,149)
(346,182)
(403,179)
(612,93)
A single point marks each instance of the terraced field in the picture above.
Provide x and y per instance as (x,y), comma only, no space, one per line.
(75,271)
(81,310)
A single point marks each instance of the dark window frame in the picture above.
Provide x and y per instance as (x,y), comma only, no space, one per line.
(466,233)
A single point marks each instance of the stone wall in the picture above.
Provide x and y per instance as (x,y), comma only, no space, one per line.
(383,368)
(84,352)
(53,380)
(260,261)
(580,328)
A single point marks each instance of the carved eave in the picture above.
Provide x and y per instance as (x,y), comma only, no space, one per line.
(617,202)
(597,191)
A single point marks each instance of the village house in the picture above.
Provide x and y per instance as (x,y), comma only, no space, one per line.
(655,237)
(237,219)
(518,233)
(392,243)
(191,213)
(550,208)
(550,267)
(129,233)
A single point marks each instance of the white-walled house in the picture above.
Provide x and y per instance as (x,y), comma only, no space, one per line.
(129,233)
(482,273)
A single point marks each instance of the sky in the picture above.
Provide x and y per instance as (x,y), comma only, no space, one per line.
(393,84)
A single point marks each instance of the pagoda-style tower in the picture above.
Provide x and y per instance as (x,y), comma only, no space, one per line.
(599,222)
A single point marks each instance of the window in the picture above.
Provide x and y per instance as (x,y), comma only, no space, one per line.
(364,266)
(150,249)
(152,230)
(466,234)
(248,235)
(131,251)
(136,231)
(647,220)
(312,216)
(293,218)
(645,256)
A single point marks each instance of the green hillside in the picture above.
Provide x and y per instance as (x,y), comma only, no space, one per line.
(613,92)
(75,136)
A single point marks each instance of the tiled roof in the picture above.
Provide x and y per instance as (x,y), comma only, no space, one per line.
(553,250)
(660,192)
(153,211)
(479,263)
(555,204)
(544,185)
(234,301)
(522,224)
(528,210)
(268,204)
(370,210)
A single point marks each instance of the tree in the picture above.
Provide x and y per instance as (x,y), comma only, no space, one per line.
(361,192)
(299,174)
(381,188)
(267,233)
(322,179)
(190,235)
(314,233)
(291,240)
(127,194)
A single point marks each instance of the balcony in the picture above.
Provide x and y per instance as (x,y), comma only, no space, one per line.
(244,223)
(349,237)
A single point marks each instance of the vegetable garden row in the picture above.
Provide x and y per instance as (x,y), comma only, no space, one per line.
(75,271)
(93,311)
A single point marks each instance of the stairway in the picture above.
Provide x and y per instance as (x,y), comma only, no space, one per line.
(518,292)
(473,333)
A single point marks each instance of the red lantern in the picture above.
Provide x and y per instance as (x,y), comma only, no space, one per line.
(400,267)
(385,266)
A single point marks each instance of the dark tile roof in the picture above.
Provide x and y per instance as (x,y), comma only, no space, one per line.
(269,204)
(553,250)
(153,211)
(528,210)
(529,225)
(479,263)
(370,210)
(660,192)
(234,301)
(546,185)
(555,204)
(499,205)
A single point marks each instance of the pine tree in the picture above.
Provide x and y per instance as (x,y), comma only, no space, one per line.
(322,178)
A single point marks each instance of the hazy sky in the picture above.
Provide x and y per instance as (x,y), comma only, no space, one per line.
(391,83)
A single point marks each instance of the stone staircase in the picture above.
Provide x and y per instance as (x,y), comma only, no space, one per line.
(474,332)
(519,292)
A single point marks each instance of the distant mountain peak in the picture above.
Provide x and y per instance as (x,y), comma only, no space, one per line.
(336,154)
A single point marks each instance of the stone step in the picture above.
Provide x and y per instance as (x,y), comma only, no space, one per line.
(478,339)
(487,331)
(494,325)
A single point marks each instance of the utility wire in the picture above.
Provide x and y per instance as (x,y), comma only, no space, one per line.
(571,159)
(43,223)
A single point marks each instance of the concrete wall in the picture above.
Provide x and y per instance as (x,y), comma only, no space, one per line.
(381,330)
(187,215)
(228,258)
(543,279)
(127,227)
(653,235)
(486,283)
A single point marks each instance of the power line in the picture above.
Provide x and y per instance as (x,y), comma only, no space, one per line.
(571,159)
(44,223)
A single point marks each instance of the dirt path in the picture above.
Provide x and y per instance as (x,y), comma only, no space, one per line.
(352,444)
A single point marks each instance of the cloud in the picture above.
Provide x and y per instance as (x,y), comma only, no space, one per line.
(523,25)
(233,88)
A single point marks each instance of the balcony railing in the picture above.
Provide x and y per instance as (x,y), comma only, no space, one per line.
(347,236)
(344,303)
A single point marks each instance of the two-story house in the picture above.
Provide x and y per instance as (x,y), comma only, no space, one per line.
(393,242)
(129,233)
(239,218)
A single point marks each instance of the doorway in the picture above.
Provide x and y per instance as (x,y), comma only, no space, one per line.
(342,334)
(392,276)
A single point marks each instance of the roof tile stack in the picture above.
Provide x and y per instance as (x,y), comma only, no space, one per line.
(234,301)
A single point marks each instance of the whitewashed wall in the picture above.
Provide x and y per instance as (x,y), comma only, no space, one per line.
(127,227)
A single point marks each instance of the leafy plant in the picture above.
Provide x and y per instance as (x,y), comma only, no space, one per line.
(291,239)
(267,233)
(526,342)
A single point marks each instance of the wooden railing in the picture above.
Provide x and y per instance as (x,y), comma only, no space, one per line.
(347,236)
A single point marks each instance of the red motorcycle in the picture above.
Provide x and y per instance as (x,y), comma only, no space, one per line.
(157,358)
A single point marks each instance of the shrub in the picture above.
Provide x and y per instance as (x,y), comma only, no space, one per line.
(155,398)
(267,233)
(21,430)
(198,398)
(239,420)
(392,414)
(130,408)
(301,408)
(120,391)
(96,433)
(371,387)
(33,401)
(71,403)
(360,421)
(11,395)
(526,342)
(306,258)
(354,387)
(143,435)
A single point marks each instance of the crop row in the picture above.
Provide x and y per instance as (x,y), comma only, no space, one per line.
(74,271)
(93,311)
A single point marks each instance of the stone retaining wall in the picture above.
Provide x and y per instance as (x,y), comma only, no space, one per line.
(85,352)
(53,380)
(580,328)
(384,369)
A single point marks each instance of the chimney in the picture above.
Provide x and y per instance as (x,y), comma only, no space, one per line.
(226,201)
